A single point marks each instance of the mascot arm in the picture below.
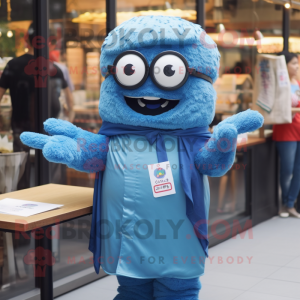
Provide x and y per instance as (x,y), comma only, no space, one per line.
(217,157)
(78,149)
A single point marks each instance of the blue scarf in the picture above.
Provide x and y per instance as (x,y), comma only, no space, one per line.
(189,142)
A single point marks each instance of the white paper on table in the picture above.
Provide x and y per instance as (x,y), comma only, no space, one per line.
(25,208)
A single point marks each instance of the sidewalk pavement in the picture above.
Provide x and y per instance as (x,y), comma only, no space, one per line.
(264,267)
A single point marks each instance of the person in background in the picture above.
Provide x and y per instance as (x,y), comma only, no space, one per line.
(60,62)
(21,86)
(287,138)
(53,57)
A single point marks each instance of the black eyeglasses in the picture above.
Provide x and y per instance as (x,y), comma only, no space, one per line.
(169,70)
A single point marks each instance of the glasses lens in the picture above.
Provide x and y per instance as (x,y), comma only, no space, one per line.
(130,70)
(169,71)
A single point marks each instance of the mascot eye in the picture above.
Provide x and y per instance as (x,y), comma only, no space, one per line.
(169,71)
(130,70)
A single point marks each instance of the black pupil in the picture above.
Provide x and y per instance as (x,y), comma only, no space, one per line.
(168,70)
(128,69)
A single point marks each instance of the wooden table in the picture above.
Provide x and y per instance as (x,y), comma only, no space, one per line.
(77,202)
(252,141)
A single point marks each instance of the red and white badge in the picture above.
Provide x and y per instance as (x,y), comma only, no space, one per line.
(161,179)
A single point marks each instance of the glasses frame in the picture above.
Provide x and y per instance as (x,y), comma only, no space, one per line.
(112,70)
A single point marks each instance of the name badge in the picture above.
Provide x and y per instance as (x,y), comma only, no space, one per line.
(161,179)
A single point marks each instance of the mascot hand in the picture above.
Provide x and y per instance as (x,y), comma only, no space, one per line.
(245,121)
(70,145)
(217,157)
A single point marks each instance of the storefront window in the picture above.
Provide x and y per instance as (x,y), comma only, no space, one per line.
(17,104)
(77,30)
(74,50)
(294,40)
(242,30)
(17,99)
(228,199)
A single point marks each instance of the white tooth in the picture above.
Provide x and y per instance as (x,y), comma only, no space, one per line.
(151,98)
(164,104)
(141,103)
(146,98)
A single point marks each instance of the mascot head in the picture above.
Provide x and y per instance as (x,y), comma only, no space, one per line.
(159,73)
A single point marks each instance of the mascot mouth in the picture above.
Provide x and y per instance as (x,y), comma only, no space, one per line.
(150,106)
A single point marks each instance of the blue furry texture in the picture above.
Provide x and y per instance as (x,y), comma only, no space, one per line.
(70,145)
(158,289)
(197,97)
(217,157)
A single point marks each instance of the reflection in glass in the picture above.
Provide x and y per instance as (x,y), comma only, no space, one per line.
(249,28)
(228,193)
(77,31)
(17,104)
(77,34)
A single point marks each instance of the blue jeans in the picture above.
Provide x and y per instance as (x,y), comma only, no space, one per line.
(158,289)
(289,154)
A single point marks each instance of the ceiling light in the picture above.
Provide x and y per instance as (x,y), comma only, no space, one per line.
(9,34)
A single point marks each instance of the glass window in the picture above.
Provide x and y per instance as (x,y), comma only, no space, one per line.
(242,30)
(17,90)
(17,114)
(228,199)
(294,40)
(77,31)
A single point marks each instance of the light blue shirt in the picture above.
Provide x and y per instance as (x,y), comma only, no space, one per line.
(156,239)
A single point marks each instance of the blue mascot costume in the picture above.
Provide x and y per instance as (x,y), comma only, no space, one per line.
(152,156)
